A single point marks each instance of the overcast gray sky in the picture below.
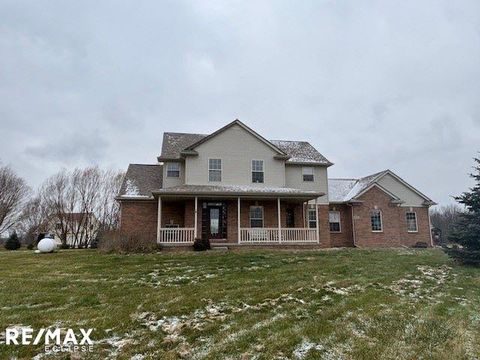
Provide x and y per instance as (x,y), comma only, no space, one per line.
(371,84)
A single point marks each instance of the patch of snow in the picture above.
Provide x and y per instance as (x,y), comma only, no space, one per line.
(305,347)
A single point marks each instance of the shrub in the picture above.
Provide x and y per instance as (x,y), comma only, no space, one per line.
(13,243)
(30,246)
(201,244)
(464,256)
(123,242)
(64,246)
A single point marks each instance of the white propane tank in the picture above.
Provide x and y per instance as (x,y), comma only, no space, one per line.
(46,245)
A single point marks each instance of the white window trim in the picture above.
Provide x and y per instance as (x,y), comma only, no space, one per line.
(250,215)
(308,218)
(381,221)
(221,170)
(179,170)
(416,221)
(251,170)
(303,173)
(339,221)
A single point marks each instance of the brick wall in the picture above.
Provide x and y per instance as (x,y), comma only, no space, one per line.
(345,237)
(393,219)
(139,216)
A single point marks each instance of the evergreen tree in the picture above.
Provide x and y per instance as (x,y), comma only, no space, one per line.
(12,243)
(467,229)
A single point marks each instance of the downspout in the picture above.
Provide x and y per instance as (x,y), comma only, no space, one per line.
(353,227)
(430,226)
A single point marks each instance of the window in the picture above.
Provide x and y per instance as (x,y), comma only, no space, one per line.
(307,173)
(214,169)
(256,216)
(312,219)
(411,222)
(257,171)
(334,220)
(173,169)
(376,220)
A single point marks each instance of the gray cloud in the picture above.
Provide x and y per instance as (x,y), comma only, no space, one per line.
(372,85)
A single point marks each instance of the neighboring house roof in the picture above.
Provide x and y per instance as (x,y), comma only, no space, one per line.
(348,190)
(140,180)
(236,190)
(301,152)
(297,152)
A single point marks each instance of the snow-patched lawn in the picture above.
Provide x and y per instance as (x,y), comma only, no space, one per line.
(337,304)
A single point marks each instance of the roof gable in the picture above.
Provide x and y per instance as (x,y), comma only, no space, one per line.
(346,190)
(244,127)
(295,152)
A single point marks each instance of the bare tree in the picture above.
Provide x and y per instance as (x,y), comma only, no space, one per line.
(444,218)
(33,219)
(108,211)
(82,203)
(13,193)
(59,196)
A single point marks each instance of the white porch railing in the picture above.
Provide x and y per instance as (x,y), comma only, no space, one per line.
(293,235)
(270,235)
(176,235)
(258,235)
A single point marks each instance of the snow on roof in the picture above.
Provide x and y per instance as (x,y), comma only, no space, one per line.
(140,180)
(340,190)
(174,143)
(300,151)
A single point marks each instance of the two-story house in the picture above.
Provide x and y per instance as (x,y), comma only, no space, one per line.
(235,187)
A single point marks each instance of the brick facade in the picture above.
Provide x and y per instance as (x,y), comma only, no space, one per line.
(139,217)
(394,223)
(344,238)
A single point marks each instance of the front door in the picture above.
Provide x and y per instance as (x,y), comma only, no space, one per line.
(214,220)
(290,217)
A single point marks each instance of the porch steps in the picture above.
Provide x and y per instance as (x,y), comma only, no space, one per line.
(219,248)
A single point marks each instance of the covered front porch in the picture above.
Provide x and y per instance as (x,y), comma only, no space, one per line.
(244,219)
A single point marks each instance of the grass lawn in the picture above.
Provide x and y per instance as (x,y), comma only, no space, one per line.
(352,304)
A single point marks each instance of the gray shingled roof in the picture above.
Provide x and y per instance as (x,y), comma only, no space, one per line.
(299,151)
(340,190)
(235,190)
(174,143)
(140,180)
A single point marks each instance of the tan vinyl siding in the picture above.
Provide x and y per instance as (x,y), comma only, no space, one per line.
(172,181)
(410,197)
(294,179)
(236,148)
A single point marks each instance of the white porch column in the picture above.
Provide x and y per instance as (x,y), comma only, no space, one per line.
(196,215)
(316,221)
(279,221)
(159,219)
(238,219)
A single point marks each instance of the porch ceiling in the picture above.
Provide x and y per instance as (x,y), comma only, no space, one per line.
(232,191)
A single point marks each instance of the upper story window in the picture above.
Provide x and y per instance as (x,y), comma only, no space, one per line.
(214,169)
(334,220)
(411,221)
(376,220)
(173,169)
(312,219)
(256,216)
(307,173)
(257,171)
